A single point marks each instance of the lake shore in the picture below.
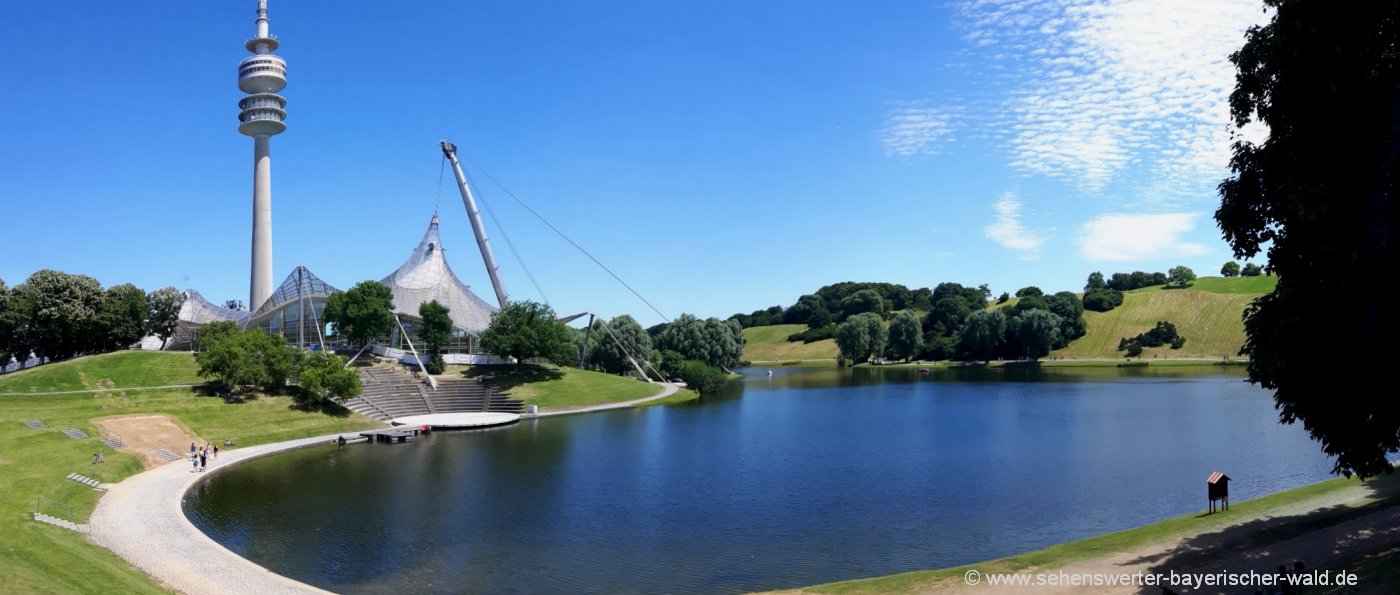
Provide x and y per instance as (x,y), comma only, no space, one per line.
(1334,525)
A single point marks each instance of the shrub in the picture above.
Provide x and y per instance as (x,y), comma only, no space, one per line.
(1134,350)
(701,377)
(435,365)
(1102,299)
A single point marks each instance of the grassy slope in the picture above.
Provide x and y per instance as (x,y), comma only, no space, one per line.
(1208,314)
(553,387)
(125,368)
(1385,491)
(770,344)
(39,558)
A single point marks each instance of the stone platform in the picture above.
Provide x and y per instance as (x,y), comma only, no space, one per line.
(449,421)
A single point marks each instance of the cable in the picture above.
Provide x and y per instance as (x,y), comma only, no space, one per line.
(437,200)
(491,213)
(561,234)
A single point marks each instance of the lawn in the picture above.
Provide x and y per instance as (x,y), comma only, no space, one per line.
(1211,322)
(38,558)
(765,344)
(552,387)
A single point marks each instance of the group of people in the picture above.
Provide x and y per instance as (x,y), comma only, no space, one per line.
(200,455)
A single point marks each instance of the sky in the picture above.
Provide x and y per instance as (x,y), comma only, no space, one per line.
(720,157)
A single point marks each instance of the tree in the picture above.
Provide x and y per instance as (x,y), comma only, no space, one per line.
(1037,331)
(1003,298)
(1095,282)
(436,332)
(622,337)
(701,377)
(238,359)
(1251,270)
(57,314)
(122,316)
(363,313)
(861,337)
(526,330)
(1319,192)
(163,313)
(323,376)
(1102,299)
(1230,269)
(948,314)
(1029,291)
(982,333)
(801,312)
(906,335)
(1067,306)
(1180,276)
(865,300)
(716,342)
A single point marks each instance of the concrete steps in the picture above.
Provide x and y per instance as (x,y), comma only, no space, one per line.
(114,443)
(75,433)
(58,522)
(166,455)
(34,424)
(87,481)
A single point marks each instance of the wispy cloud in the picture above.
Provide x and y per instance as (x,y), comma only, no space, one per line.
(1127,238)
(1099,87)
(913,128)
(1008,230)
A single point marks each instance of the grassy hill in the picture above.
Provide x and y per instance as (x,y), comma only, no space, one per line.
(1208,314)
(770,344)
(125,369)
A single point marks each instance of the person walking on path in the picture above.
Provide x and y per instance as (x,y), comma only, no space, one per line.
(194,462)
(216,452)
(192,452)
(203,460)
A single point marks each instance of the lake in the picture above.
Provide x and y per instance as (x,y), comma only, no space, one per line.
(814,475)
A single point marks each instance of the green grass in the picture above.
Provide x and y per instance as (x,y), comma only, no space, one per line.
(37,558)
(769,344)
(126,369)
(1211,321)
(552,387)
(1240,285)
(1385,492)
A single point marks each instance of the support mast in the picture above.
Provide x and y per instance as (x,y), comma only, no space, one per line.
(450,151)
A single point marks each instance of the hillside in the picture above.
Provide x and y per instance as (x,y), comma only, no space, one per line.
(1208,314)
(770,344)
(125,369)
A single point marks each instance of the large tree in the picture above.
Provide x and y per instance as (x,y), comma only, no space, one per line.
(323,376)
(982,333)
(1317,195)
(1230,269)
(528,330)
(436,332)
(906,335)
(58,314)
(861,337)
(865,300)
(719,343)
(1037,331)
(122,316)
(1180,276)
(163,313)
(614,343)
(238,359)
(363,313)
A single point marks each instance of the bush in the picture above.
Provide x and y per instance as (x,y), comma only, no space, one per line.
(701,377)
(1134,350)
(813,334)
(436,365)
(1178,342)
(1103,299)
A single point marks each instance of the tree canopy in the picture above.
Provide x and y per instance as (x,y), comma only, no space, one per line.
(529,330)
(362,313)
(718,343)
(1037,331)
(1317,195)
(1230,269)
(861,337)
(323,376)
(436,332)
(906,335)
(163,312)
(1180,276)
(606,352)
(982,333)
(243,358)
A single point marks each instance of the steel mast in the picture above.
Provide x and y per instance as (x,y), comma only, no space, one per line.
(450,151)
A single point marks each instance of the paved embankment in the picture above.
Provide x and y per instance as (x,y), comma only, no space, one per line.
(667,389)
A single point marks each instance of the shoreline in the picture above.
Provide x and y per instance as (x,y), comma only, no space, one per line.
(1182,362)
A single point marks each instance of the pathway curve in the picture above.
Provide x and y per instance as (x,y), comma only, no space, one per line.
(667,389)
(141,519)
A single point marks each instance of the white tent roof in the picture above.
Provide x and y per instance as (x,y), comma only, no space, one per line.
(425,277)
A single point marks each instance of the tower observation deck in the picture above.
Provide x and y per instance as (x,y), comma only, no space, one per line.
(261,76)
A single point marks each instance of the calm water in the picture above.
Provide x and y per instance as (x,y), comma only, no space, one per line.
(813,476)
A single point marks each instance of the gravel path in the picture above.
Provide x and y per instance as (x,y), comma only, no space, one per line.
(667,389)
(142,521)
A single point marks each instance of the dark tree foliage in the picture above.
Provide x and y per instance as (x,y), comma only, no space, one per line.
(1095,282)
(719,343)
(163,313)
(1102,299)
(1325,78)
(1029,291)
(701,377)
(1038,331)
(56,315)
(1067,306)
(1230,269)
(947,316)
(621,338)
(923,299)
(1028,303)
(1003,298)
(865,300)
(242,358)
(1180,276)
(436,332)
(803,310)
(1251,270)
(363,313)
(768,316)
(1163,333)
(1136,280)
(529,330)
(898,297)
(122,316)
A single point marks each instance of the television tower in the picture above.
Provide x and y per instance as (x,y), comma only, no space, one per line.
(261,76)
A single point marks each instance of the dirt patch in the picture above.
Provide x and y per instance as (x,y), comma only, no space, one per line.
(144,433)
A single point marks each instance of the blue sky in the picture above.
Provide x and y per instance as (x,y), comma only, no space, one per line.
(720,158)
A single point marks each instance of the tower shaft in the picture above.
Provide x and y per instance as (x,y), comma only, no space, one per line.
(260,286)
(261,76)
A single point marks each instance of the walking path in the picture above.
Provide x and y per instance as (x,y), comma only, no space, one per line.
(141,519)
(96,390)
(667,389)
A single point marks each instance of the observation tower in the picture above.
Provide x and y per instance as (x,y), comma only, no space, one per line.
(261,76)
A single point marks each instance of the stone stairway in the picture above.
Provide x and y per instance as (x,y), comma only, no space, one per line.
(35,424)
(58,522)
(114,443)
(166,455)
(75,433)
(87,481)
(390,393)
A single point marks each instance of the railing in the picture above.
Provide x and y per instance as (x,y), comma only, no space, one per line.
(38,507)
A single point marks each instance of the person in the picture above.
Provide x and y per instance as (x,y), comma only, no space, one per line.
(203,460)
(216,452)
(96,458)
(194,462)
(340,440)
(192,449)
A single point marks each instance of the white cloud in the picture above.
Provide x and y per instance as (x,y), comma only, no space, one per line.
(1008,230)
(1097,87)
(1127,238)
(913,129)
